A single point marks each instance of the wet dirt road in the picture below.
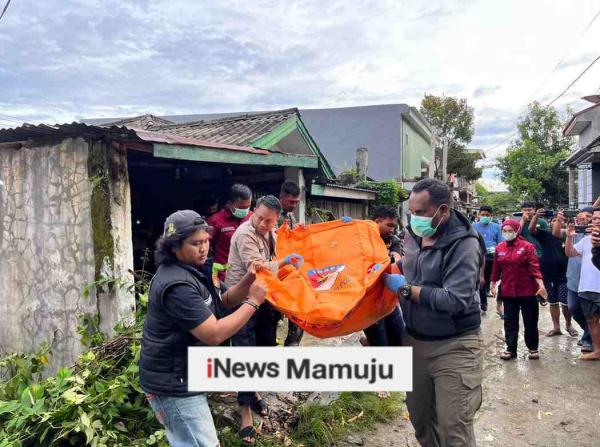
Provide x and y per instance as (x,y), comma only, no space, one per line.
(554,401)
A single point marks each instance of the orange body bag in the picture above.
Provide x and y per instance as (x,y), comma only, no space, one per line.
(339,289)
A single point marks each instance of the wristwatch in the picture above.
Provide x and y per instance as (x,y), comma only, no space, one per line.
(405,291)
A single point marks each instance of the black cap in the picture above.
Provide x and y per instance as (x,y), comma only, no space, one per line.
(180,220)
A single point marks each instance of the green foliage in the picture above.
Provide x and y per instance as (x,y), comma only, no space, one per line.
(320,425)
(389,192)
(532,166)
(89,330)
(453,121)
(325,425)
(96,402)
(99,402)
(503,203)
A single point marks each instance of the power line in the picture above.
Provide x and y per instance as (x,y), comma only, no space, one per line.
(550,75)
(551,102)
(5,8)
(574,81)
(564,56)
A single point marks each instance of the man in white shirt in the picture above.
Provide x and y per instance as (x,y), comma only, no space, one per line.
(589,283)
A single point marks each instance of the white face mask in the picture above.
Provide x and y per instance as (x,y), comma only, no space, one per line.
(509,236)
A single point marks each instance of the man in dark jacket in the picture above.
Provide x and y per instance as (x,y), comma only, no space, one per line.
(439,296)
(181,307)
(388,330)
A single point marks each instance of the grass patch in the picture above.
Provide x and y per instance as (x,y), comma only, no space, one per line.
(320,426)
(325,425)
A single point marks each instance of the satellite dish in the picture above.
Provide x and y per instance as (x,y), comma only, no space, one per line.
(592,98)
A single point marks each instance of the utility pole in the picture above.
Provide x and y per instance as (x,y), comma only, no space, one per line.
(445,161)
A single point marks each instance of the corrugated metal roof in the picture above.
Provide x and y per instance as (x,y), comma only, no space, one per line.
(351,188)
(157,137)
(144,122)
(241,130)
(27,132)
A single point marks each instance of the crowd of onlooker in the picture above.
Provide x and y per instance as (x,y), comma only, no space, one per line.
(543,257)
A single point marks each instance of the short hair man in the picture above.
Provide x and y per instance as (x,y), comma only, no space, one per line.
(492,236)
(289,196)
(439,294)
(574,274)
(388,330)
(235,212)
(528,209)
(181,308)
(386,218)
(589,283)
(254,241)
(553,263)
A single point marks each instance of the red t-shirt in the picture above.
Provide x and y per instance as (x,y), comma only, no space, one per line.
(224,225)
(517,267)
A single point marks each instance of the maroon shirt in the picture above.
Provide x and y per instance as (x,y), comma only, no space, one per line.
(517,266)
(224,225)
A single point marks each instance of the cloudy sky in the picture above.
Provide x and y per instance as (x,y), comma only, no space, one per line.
(64,60)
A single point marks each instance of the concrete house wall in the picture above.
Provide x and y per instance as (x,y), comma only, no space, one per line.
(416,148)
(64,221)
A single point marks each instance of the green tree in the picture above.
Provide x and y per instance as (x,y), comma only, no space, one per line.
(453,120)
(503,203)
(532,166)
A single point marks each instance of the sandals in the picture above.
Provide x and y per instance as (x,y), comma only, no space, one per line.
(534,355)
(572,332)
(248,435)
(508,355)
(260,407)
(553,332)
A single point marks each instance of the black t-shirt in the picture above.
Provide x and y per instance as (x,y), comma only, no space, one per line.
(187,307)
(553,261)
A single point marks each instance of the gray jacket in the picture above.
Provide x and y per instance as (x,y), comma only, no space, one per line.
(448,273)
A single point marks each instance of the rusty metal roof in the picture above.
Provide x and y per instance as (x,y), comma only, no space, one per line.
(29,132)
(157,137)
(241,130)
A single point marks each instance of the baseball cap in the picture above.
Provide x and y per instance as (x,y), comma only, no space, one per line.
(181,220)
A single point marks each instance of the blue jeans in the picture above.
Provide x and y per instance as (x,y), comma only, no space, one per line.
(387,331)
(574,302)
(187,420)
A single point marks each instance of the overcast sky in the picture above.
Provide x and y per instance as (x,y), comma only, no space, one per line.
(64,60)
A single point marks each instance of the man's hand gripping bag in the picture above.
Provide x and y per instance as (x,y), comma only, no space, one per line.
(339,289)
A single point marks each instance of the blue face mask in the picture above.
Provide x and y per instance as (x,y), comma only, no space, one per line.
(421,225)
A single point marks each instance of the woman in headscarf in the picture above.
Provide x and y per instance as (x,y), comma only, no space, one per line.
(517,268)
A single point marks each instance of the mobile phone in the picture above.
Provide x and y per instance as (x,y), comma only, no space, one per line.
(519,214)
(549,214)
(581,229)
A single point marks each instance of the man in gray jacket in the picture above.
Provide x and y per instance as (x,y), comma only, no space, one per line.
(440,302)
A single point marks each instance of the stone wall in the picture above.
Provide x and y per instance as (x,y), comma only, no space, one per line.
(48,244)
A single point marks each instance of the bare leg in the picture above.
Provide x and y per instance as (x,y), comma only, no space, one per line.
(569,321)
(594,328)
(555,314)
(246,415)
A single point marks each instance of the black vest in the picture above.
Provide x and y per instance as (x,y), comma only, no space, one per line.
(163,360)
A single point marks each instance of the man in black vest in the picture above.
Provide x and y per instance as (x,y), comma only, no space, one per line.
(181,308)
(439,296)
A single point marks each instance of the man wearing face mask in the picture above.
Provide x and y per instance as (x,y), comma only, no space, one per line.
(492,236)
(235,212)
(439,296)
